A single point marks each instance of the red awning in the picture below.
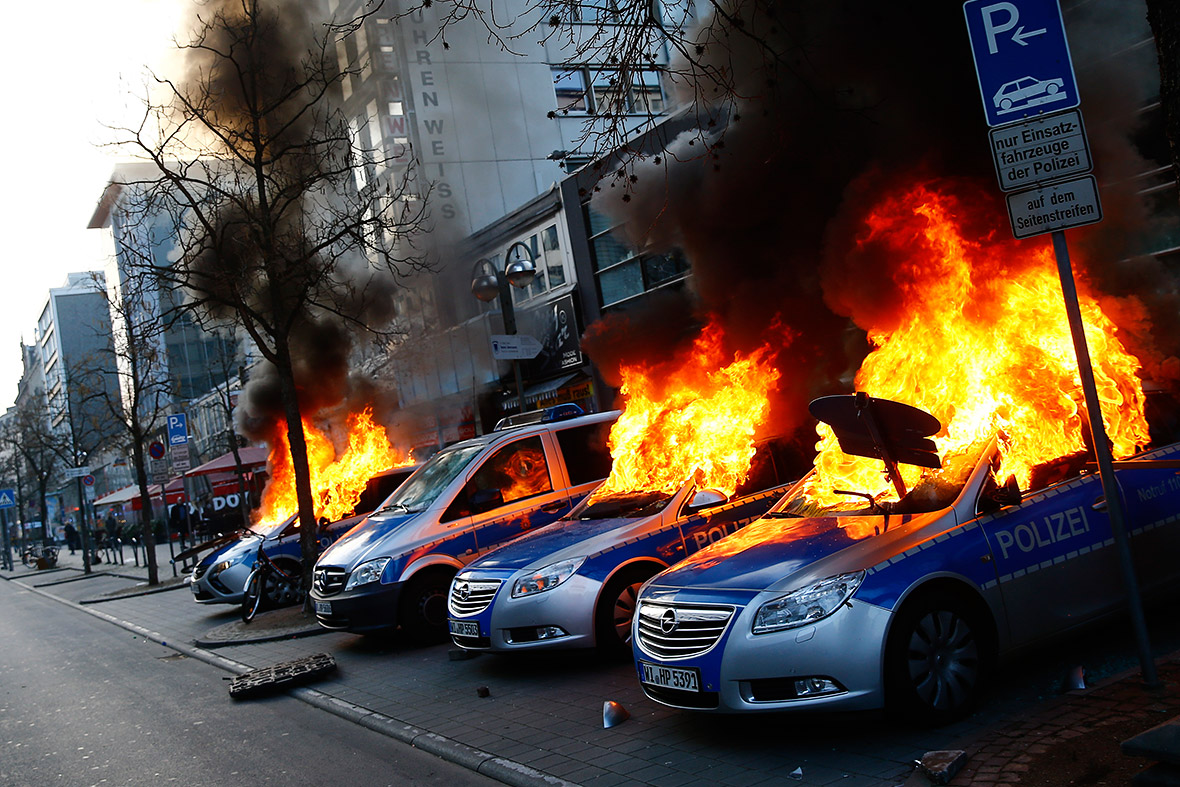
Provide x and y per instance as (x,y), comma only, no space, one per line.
(252,457)
(173,493)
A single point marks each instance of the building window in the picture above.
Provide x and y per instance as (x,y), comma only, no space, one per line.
(622,272)
(593,11)
(571,90)
(342,61)
(611,91)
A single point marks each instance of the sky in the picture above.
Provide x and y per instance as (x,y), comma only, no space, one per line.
(87,70)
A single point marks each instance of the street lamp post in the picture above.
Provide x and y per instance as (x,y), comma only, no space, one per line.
(488,282)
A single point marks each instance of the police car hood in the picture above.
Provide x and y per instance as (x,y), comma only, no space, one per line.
(232,550)
(777,552)
(378,535)
(563,539)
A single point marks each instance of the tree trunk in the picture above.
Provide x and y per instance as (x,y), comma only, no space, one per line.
(149,532)
(308,528)
(42,487)
(84,531)
(1164,16)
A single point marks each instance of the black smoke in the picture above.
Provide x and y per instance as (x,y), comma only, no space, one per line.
(831,105)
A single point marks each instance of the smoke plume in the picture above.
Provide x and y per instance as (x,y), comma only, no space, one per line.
(832,105)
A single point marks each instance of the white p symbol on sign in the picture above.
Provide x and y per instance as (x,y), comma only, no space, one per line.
(991,28)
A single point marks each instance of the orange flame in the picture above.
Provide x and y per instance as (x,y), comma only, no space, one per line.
(702,415)
(336,482)
(984,345)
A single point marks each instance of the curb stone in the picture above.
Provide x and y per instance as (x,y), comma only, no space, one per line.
(499,768)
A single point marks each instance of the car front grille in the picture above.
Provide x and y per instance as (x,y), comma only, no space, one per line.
(675,632)
(471,596)
(329,581)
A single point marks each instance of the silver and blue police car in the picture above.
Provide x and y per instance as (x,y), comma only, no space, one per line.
(574,584)
(220,576)
(851,606)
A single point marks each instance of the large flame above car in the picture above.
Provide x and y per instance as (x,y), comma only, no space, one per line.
(696,414)
(336,480)
(983,344)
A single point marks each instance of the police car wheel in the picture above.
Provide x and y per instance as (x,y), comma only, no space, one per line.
(937,659)
(422,608)
(616,609)
(280,591)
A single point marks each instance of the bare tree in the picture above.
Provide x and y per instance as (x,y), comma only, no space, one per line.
(283,223)
(138,404)
(221,376)
(40,448)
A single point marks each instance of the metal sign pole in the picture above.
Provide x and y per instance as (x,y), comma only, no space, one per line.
(1110,487)
(7,561)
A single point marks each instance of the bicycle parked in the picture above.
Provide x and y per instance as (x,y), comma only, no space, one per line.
(38,556)
(269,580)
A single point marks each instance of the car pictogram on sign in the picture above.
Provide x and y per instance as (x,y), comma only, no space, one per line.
(1027,92)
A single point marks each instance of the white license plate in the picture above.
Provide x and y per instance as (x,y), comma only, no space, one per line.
(193,587)
(670,677)
(464,628)
(323,607)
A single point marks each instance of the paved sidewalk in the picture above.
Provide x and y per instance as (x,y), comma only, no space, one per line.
(540,719)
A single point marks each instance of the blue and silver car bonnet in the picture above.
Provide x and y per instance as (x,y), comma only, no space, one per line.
(366,539)
(583,536)
(769,550)
(232,550)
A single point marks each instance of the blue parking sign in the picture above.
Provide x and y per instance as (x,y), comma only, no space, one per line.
(1022,58)
(177,429)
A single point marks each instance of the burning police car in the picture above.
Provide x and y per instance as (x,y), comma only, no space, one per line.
(573,584)
(220,577)
(835,600)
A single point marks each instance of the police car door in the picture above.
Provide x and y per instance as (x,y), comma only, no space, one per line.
(516,489)
(1055,561)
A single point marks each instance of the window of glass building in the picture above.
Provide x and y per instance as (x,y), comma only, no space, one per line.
(622,272)
(611,91)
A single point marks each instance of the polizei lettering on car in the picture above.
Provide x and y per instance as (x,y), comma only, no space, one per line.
(826,611)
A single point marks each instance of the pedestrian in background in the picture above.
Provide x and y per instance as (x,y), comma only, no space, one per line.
(71,537)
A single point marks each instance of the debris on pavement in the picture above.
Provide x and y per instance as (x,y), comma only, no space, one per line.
(283,675)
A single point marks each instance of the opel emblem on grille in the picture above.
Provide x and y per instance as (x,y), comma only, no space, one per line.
(669,621)
(464,590)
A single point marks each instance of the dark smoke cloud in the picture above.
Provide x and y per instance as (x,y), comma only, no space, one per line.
(276,50)
(863,98)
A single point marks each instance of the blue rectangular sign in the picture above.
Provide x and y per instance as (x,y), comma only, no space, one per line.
(7,498)
(1022,58)
(177,429)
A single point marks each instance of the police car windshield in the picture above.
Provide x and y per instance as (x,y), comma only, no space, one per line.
(935,490)
(281,528)
(621,505)
(428,482)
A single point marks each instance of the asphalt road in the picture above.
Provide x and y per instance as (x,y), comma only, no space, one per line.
(83,702)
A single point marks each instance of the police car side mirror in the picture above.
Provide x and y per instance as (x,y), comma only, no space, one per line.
(706,498)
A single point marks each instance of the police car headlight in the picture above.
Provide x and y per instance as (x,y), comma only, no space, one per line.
(366,573)
(808,604)
(546,578)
